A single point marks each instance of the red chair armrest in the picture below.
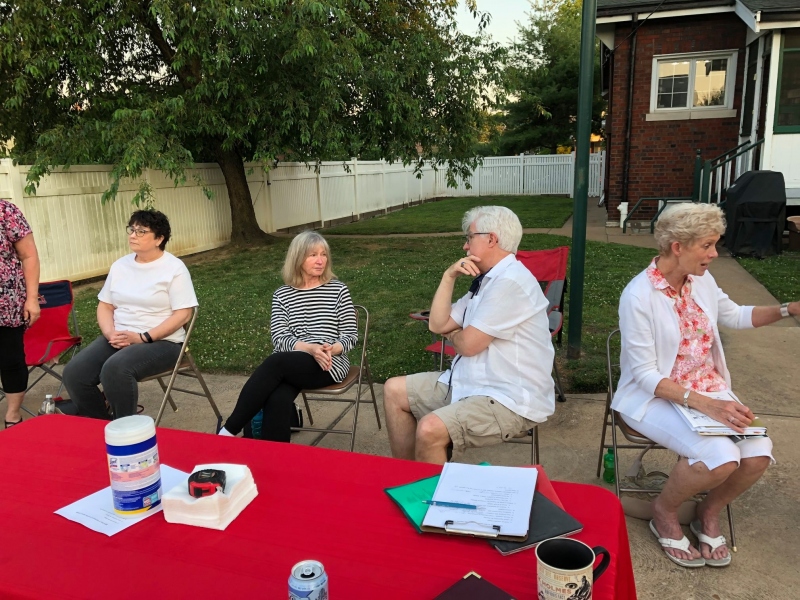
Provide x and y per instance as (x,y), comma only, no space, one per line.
(72,340)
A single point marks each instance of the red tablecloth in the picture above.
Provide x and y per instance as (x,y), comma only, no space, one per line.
(313,503)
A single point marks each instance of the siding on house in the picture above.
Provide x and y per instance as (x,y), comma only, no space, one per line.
(662,153)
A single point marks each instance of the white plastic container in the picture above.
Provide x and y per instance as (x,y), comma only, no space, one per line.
(133,465)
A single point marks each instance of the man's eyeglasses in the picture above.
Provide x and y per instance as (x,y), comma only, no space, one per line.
(139,232)
(469,236)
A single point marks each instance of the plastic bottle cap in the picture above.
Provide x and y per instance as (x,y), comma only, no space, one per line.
(130,430)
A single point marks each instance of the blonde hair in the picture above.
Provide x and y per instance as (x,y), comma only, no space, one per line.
(686,223)
(302,245)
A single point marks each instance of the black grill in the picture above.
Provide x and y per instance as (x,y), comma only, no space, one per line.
(755,210)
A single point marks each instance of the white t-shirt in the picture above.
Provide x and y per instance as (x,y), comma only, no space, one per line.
(144,295)
(516,368)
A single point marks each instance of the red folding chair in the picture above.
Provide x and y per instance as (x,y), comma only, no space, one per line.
(550,269)
(440,348)
(49,337)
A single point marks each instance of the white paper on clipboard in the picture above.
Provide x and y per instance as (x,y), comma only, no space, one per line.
(503,495)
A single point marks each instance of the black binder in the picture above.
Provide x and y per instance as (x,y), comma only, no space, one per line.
(473,587)
(547,521)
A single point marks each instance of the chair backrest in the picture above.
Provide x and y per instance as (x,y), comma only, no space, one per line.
(188,328)
(363,339)
(56,302)
(550,268)
(612,368)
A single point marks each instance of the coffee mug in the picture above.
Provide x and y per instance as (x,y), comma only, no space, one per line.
(565,569)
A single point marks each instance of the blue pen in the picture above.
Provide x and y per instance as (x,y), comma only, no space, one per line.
(449,504)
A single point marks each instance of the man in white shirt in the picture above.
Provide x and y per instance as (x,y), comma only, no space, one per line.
(500,382)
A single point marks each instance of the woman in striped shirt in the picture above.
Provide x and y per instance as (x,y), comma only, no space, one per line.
(313,327)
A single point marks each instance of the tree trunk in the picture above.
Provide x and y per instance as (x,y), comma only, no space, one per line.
(244,226)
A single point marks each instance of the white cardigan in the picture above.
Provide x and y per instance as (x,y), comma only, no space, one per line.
(651,337)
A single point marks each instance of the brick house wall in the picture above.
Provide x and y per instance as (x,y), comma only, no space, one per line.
(662,153)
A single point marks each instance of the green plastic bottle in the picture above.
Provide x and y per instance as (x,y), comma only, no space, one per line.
(608,467)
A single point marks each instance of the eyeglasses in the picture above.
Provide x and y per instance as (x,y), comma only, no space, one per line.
(469,236)
(139,232)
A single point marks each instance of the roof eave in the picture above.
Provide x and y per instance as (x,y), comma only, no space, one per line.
(644,9)
(622,15)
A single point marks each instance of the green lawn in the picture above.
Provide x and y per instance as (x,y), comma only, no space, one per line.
(391,277)
(779,274)
(445,215)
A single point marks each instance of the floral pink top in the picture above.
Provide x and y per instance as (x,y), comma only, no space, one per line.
(694,367)
(13,227)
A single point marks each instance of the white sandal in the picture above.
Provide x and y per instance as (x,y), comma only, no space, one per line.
(681,544)
(713,543)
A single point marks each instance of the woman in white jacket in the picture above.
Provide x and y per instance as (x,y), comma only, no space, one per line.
(671,352)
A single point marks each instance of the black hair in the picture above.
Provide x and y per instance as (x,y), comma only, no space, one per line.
(155,221)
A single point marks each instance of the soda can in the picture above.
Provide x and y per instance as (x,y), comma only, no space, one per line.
(308,581)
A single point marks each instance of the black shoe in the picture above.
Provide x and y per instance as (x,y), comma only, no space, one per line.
(66,407)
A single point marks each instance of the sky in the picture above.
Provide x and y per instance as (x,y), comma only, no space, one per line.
(504,14)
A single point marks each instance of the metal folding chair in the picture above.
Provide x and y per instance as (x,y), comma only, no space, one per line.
(50,336)
(528,437)
(359,376)
(184,367)
(636,441)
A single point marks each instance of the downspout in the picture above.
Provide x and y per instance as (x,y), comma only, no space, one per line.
(629,113)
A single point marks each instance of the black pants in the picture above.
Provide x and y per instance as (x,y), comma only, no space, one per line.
(273,386)
(13,371)
(118,370)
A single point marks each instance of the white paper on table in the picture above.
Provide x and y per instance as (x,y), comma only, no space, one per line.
(503,495)
(96,511)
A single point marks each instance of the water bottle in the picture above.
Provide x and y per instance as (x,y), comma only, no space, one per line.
(608,467)
(255,425)
(48,406)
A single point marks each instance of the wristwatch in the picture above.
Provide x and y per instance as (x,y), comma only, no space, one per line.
(785,309)
(686,399)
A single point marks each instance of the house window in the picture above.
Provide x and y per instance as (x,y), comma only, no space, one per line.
(673,84)
(787,109)
(699,82)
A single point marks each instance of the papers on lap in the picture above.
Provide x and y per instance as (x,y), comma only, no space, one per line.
(503,496)
(705,425)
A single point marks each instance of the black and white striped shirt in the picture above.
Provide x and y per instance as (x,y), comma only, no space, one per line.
(320,315)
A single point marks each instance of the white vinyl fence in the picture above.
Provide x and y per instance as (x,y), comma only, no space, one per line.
(552,174)
(78,237)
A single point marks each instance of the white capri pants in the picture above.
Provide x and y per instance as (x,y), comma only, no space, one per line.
(662,424)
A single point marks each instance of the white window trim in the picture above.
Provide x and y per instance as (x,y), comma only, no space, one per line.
(695,112)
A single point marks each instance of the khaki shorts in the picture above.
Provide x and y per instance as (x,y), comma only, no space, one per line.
(472,422)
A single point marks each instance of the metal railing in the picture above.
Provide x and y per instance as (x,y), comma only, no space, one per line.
(710,180)
(720,172)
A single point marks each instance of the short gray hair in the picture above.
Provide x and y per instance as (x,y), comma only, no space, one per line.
(686,223)
(498,220)
(301,246)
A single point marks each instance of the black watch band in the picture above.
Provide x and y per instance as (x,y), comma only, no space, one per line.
(147,337)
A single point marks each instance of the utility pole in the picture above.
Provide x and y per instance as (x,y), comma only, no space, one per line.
(582,143)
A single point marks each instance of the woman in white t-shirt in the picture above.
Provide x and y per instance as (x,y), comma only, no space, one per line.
(147,298)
